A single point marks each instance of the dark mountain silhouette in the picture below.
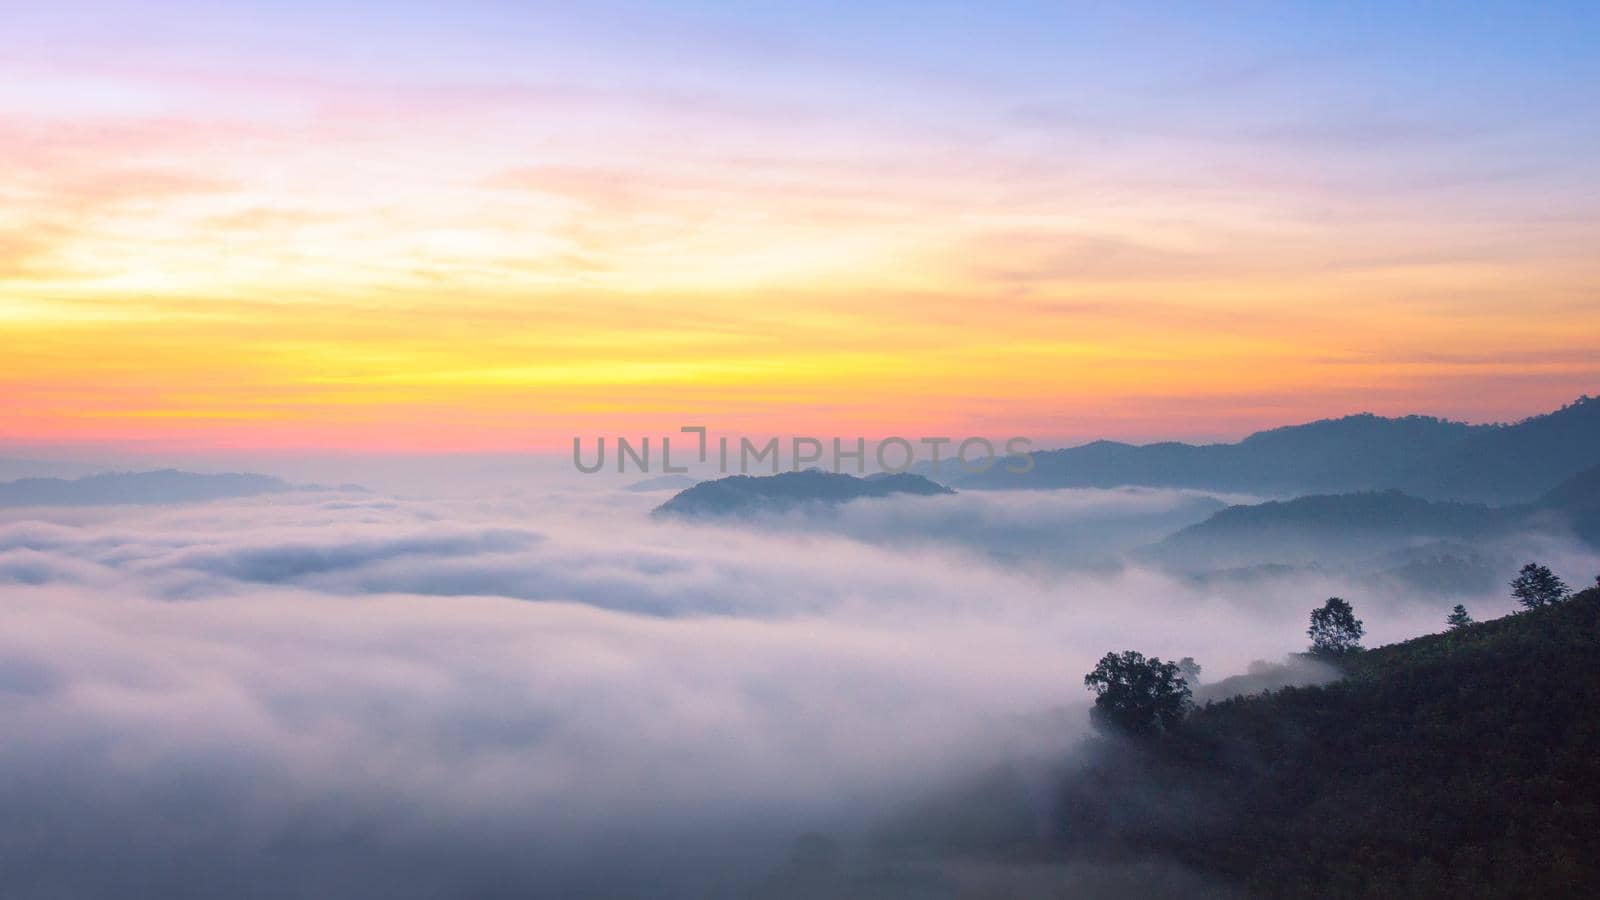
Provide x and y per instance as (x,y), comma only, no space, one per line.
(1324,527)
(1430,458)
(1387,513)
(1514,463)
(748,494)
(163,486)
(1577,500)
(1352,453)
(1419,535)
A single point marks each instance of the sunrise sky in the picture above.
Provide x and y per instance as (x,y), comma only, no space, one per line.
(474,226)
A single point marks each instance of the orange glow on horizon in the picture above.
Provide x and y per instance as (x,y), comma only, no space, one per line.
(225,260)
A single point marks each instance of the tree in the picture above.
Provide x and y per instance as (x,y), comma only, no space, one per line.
(1139,696)
(1458,617)
(1537,586)
(1190,670)
(1335,630)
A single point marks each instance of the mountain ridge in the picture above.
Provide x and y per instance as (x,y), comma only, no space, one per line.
(147,487)
(1429,457)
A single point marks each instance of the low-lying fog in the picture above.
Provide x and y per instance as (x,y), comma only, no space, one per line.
(550,694)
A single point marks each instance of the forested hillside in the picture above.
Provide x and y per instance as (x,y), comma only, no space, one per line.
(1462,764)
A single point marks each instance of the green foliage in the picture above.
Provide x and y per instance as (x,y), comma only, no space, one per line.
(1138,696)
(1464,764)
(1335,630)
(1537,586)
(1458,618)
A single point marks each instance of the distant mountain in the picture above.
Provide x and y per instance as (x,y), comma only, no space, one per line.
(1578,501)
(164,486)
(1352,453)
(1387,513)
(1513,463)
(663,483)
(1427,457)
(1398,537)
(1323,527)
(747,494)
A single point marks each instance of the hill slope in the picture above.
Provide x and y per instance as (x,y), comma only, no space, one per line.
(1464,764)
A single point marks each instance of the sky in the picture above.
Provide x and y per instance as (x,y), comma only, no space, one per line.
(494,226)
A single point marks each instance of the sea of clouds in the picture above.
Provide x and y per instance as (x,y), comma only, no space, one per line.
(549,693)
